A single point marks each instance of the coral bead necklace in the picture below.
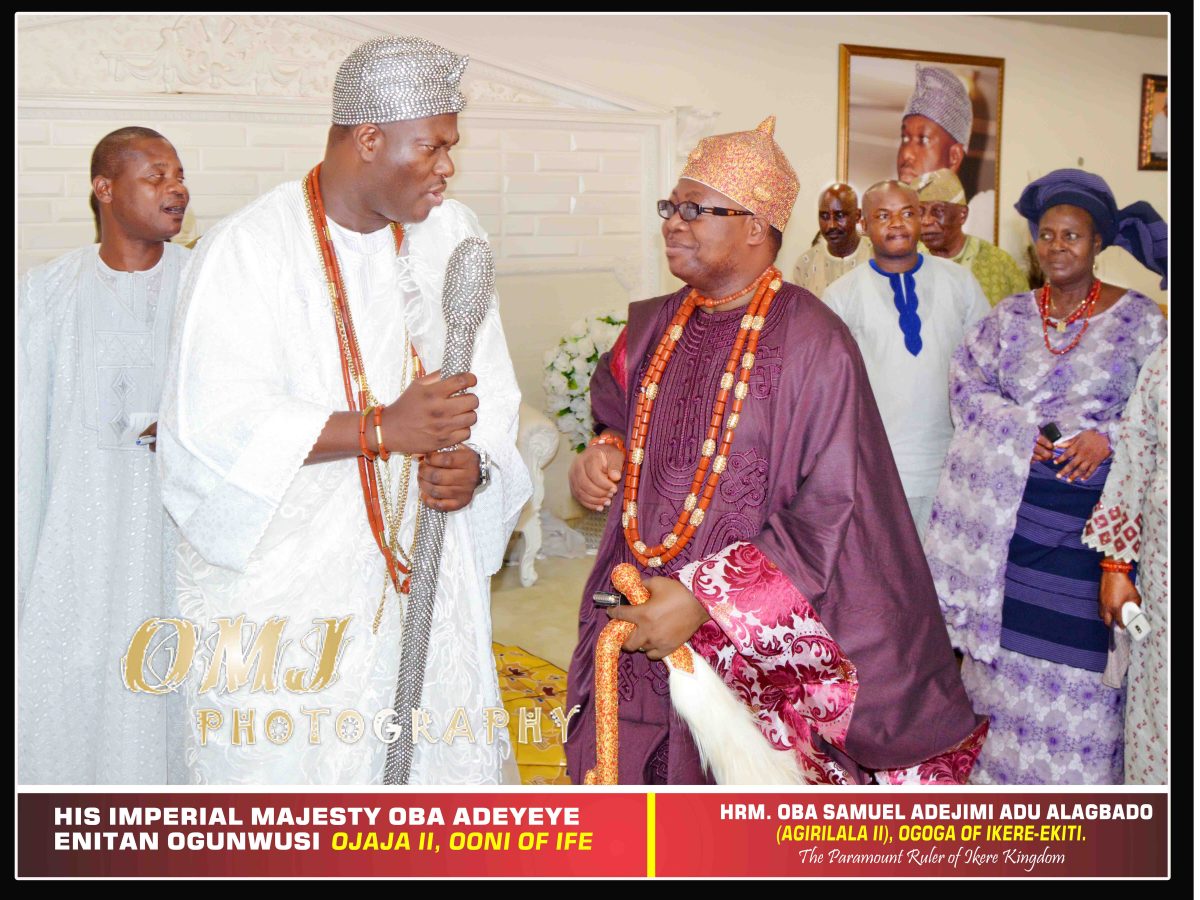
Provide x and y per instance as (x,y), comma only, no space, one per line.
(1084,310)
(713,459)
(383,515)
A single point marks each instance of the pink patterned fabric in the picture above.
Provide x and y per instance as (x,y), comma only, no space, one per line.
(769,647)
(1111,531)
(951,767)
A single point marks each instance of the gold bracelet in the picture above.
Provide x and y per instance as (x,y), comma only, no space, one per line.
(382,451)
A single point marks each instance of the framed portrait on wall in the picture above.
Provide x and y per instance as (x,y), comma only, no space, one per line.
(904,113)
(1152,135)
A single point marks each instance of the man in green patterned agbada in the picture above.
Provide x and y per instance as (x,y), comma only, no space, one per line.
(943,214)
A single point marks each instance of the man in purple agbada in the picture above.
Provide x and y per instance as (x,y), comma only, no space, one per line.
(802,583)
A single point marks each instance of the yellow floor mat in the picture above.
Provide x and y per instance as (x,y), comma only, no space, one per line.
(531,689)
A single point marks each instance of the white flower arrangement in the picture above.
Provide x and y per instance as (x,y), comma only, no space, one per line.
(569,370)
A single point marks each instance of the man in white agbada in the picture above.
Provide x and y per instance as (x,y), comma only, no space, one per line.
(840,247)
(260,453)
(909,312)
(92,535)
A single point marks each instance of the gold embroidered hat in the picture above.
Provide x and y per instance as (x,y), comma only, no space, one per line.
(940,185)
(750,168)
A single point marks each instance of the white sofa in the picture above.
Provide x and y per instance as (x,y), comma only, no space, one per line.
(537,442)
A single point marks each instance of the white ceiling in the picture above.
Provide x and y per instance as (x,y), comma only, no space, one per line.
(1143,26)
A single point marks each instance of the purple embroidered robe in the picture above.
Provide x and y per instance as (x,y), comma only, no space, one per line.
(811,484)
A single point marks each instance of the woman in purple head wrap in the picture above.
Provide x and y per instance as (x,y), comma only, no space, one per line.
(1036,392)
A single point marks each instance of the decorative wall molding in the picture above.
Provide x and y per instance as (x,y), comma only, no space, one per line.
(263,56)
(222,54)
(481,91)
(191,107)
(249,75)
(562,91)
(257,55)
(489,82)
(691,124)
(41,104)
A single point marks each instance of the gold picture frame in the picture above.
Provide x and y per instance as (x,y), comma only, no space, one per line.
(874,84)
(1152,131)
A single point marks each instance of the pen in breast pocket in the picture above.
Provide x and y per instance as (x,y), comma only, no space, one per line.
(145,440)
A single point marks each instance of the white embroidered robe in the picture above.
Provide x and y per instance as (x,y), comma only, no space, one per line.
(256,373)
(92,534)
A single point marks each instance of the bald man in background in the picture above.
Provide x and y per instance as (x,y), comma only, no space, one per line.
(909,312)
(840,248)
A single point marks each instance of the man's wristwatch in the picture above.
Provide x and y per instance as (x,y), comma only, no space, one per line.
(485,466)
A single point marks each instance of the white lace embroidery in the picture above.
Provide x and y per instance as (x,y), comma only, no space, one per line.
(91,530)
(258,376)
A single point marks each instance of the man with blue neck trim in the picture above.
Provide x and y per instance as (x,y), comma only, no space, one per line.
(908,312)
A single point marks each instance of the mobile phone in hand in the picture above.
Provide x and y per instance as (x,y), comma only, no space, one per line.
(1135,621)
(607,599)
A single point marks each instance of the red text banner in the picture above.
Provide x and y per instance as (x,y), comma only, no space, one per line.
(927,835)
(335,835)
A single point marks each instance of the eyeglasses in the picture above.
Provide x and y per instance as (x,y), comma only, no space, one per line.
(688,210)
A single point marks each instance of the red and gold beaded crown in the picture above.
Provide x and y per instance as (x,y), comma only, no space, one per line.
(750,168)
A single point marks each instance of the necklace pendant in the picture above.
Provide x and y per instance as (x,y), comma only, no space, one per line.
(1061,326)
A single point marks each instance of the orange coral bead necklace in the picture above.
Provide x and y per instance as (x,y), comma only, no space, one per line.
(354,375)
(713,458)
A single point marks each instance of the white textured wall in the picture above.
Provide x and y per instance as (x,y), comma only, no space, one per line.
(569,137)
(226,164)
(1071,96)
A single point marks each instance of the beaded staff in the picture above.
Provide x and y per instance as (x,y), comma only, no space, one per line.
(723,728)
(625,579)
(466,298)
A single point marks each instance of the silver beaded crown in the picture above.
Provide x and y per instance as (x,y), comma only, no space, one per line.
(391,79)
(941,97)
